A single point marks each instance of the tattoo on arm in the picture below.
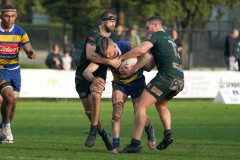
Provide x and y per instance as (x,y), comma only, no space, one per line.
(94,57)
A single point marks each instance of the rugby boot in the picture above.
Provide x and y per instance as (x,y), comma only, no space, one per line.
(167,140)
(91,139)
(151,138)
(131,149)
(7,132)
(115,151)
(3,136)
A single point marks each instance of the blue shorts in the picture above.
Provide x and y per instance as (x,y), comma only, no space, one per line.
(10,78)
(134,88)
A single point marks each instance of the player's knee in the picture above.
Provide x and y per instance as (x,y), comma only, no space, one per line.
(117,111)
(96,97)
(115,119)
(16,94)
(8,97)
(96,89)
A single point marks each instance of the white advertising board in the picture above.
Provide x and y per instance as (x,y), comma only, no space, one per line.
(44,83)
(48,84)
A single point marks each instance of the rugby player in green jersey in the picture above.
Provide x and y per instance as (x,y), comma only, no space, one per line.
(131,84)
(90,92)
(162,88)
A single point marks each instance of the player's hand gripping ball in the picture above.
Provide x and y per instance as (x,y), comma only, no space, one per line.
(127,65)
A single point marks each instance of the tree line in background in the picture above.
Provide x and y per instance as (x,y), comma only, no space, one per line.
(84,14)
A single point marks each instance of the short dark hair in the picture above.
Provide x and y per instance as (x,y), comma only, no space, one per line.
(106,14)
(8,8)
(56,44)
(104,43)
(154,18)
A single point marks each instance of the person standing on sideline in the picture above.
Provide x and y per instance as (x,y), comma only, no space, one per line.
(12,38)
(177,41)
(131,84)
(162,88)
(231,49)
(121,32)
(90,92)
(238,52)
(67,61)
(54,58)
(133,35)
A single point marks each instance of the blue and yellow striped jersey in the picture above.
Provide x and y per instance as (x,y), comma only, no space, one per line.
(10,43)
(124,47)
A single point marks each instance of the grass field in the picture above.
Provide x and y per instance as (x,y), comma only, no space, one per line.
(57,130)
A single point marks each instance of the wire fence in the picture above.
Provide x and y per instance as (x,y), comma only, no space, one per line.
(206,46)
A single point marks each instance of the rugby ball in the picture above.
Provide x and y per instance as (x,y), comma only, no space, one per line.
(128,62)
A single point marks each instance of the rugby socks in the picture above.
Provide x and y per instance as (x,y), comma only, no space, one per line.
(102,133)
(148,129)
(135,143)
(5,123)
(116,142)
(167,132)
(93,129)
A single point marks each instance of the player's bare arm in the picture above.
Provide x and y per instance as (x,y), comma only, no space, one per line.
(137,51)
(94,57)
(88,72)
(150,64)
(31,54)
(88,75)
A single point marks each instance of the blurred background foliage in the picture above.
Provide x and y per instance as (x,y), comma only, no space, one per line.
(85,13)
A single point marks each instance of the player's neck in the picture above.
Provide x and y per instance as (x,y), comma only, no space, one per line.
(104,32)
(6,29)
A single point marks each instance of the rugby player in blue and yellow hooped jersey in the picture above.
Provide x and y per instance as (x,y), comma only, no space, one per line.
(12,38)
(131,84)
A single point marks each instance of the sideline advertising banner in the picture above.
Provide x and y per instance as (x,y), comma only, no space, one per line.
(46,83)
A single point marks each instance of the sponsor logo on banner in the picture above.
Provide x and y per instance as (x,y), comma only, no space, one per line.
(231,84)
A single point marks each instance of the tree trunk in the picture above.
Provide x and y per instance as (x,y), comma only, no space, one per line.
(120,12)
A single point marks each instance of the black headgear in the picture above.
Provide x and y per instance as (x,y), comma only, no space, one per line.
(110,18)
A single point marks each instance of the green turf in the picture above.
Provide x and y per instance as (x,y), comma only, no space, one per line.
(57,130)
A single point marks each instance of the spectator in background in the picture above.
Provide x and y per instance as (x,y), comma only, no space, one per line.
(67,61)
(231,49)
(54,59)
(76,51)
(177,41)
(120,32)
(238,52)
(133,35)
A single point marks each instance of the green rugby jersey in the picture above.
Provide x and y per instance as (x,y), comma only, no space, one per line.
(166,56)
(93,38)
